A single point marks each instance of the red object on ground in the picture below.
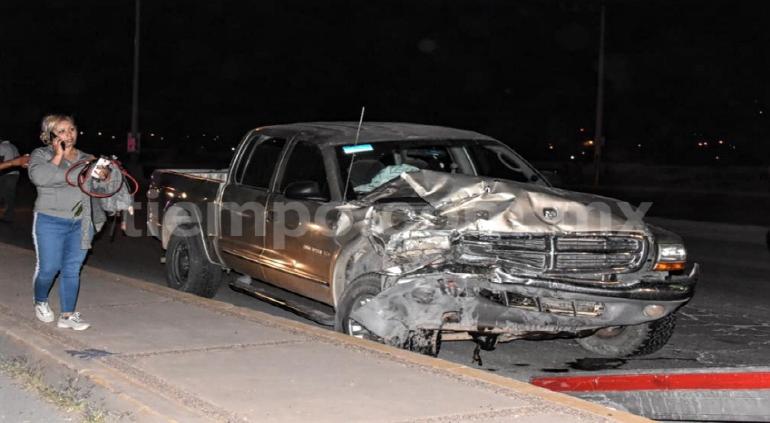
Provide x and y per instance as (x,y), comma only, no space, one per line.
(656,382)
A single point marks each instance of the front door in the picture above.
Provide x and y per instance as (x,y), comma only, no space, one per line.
(299,247)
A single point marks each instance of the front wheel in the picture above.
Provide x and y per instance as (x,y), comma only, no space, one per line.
(187,268)
(356,294)
(359,292)
(628,341)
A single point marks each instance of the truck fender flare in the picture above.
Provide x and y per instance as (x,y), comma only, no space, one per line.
(356,258)
(181,214)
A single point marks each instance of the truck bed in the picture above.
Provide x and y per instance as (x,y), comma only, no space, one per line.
(194,190)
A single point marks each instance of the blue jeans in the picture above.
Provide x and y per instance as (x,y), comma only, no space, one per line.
(57,244)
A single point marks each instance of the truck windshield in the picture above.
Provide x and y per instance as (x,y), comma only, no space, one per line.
(378,163)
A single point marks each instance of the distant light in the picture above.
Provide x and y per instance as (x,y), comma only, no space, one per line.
(232,148)
(152,134)
(113,137)
(572,157)
(721,142)
(761,112)
(99,133)
(582,129)
(705,144)
(204,135)
(639,145)
(81,132)
(589,142)
(427,45)
(583,153)
(550,146)
(161,138)
(717,157)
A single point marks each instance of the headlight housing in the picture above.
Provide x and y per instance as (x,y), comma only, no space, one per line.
(671,257)
(420,242)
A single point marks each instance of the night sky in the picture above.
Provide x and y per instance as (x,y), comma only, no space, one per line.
(678,73)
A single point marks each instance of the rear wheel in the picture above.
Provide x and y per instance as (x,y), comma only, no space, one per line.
(628,341)
(187,268)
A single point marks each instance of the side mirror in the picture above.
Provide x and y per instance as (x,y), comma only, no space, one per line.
(304,190)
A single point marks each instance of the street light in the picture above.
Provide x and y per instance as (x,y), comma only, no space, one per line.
(598,136)
(133,142)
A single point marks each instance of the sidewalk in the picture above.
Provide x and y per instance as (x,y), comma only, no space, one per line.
(163,355)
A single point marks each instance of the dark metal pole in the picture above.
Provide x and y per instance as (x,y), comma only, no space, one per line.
(135,91)
(598,136)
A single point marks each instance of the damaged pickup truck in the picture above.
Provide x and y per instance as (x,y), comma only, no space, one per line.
(415,234)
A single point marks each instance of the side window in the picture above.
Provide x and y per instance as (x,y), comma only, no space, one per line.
(306,163)
(262,162)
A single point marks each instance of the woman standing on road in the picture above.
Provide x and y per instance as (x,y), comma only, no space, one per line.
(64,222)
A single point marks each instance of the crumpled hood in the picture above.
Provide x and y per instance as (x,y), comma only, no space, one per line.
(472,203)
(409,237)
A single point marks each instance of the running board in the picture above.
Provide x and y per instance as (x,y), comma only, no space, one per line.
(269,297)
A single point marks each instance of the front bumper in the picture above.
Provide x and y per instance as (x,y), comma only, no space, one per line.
(517,307)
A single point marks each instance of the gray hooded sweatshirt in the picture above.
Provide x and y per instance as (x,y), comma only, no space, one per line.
(55,197)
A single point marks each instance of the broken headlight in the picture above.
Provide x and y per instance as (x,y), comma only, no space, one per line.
(408,242)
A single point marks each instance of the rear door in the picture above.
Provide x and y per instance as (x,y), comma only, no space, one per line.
(242,238)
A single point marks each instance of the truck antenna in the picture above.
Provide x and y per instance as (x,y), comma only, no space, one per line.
(353,158)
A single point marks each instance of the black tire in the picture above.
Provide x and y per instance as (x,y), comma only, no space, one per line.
(187,268)
(368,286)
(629,341)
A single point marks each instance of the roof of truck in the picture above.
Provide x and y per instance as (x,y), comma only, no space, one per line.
(334,133)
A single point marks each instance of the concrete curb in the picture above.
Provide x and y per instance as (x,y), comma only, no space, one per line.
(113,388)
(711,394)
(114,381)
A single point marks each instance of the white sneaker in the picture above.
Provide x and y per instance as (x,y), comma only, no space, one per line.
(43,312)
(72,322)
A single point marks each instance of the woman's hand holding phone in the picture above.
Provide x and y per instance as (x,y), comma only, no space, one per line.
(58,146)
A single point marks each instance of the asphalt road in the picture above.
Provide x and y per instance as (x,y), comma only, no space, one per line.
(727,324)
(18,405)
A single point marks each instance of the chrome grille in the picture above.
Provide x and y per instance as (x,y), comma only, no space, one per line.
(557,254)
(594,243)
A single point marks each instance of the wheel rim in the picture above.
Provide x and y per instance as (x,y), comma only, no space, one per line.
(181,263)
(354,328)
